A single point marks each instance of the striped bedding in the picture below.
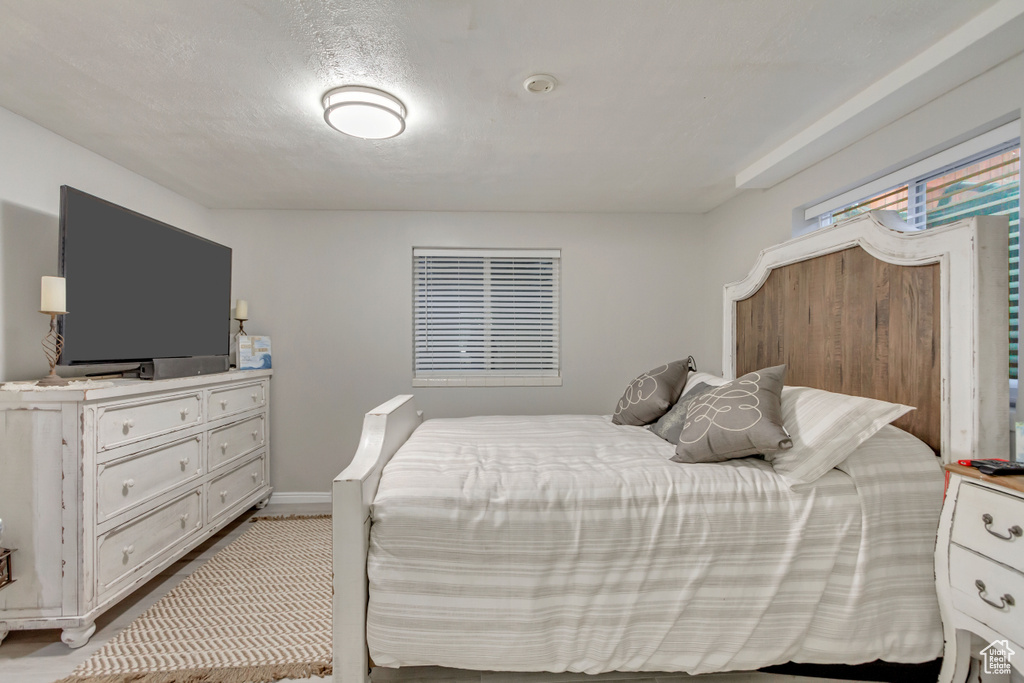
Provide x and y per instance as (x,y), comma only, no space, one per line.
(567,543)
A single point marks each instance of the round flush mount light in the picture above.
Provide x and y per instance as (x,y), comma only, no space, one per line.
(364,112)
(539,84)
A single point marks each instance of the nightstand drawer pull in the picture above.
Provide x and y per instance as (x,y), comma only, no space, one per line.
(1014,530)
(1004,602)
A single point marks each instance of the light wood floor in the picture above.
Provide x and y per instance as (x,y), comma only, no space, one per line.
(40,656)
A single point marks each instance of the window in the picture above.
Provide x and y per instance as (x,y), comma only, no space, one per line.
(486,317)
(984,184)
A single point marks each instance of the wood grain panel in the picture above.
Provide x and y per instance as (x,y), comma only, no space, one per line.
(849,323)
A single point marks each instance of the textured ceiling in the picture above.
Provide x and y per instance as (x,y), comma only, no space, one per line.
(659,102)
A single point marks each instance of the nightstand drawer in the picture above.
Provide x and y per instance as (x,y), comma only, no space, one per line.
(990,523)
(984,589)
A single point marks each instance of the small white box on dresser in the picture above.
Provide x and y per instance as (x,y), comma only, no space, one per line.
(979,567)
(102,488)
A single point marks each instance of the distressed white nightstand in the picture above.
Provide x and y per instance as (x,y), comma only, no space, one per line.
(979,566)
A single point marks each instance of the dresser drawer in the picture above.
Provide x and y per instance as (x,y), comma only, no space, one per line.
(129,422)
(122,551)
(227,443)
(231,400)
(139,477)
(1001,586)
(237,484)
(990,522)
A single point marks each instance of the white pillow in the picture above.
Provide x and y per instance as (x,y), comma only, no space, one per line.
(826,427)
(695,378)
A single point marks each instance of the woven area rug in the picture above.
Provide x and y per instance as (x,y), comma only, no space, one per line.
(258,611)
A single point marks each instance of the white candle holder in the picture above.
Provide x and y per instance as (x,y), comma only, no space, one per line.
(241,314)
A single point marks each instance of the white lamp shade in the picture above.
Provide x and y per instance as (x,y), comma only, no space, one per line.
(241,310)
(53,298)
(364,112)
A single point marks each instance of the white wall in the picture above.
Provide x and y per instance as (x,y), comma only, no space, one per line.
(333,289)
(756,219)
(34,163)
(334,292)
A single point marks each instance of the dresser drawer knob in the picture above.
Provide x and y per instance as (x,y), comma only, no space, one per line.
(127,484)
(224,447)
(184,518)
(223,495)
(1004,602)
(223,403)
(255,433)
(255,475)
(184,462)
(1014,531)
(184,413)
(255,397)
(126,425)
(128,549)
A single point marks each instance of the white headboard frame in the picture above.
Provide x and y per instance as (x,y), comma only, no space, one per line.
(972,257)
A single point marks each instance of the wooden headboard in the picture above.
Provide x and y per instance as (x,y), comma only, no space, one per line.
(915,318)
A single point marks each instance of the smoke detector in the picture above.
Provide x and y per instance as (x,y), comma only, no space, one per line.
(539,84)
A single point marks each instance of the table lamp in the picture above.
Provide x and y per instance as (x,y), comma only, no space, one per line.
(53,302)
(241,314)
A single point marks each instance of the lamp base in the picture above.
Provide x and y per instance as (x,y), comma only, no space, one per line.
(53,380)
(53,344)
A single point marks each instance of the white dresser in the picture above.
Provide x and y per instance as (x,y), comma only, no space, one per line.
(979,565)
(102,488)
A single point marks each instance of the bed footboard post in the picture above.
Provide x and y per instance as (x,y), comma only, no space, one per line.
(351,537)
(385,429)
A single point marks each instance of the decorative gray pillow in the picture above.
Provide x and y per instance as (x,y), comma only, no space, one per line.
(670,424)
(650,395)
(743,417)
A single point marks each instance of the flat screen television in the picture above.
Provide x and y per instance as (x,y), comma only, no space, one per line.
(138,289)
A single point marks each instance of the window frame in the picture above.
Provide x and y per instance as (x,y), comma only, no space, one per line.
(1001,136)
(917,188)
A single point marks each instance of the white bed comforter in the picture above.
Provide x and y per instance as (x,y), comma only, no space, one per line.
(567,543)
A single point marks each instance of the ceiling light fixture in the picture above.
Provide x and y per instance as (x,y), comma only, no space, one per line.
(364,112)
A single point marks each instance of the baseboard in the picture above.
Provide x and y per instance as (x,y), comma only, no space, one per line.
(300,497)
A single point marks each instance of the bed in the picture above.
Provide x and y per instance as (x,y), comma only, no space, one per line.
(501,542)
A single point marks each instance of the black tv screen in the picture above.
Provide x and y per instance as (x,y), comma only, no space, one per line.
(137,288)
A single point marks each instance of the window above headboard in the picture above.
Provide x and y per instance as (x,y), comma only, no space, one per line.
(979,177)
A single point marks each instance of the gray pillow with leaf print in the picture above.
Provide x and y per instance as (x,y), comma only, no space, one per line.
(650,395)
(670,424)
(743,417)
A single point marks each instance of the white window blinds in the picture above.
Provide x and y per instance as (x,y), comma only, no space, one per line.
(485,315)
